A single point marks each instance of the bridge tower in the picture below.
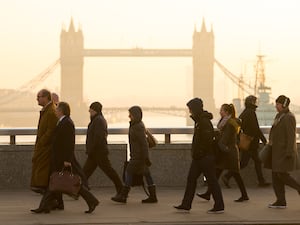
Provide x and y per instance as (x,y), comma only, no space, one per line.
(203,67)
(71,61)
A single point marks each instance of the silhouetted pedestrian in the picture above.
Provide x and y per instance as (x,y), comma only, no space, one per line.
(284,151)
(228,152)
(202,159)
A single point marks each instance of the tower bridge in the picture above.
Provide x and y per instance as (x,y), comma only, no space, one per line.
(71,60)
(72,54)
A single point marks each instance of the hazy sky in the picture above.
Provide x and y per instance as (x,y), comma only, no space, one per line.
(30,32)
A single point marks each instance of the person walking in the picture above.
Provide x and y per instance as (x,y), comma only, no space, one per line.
(96,146)
(62,155)
(202,158)
(284,151)
(41,154)
(139,162)
(228,152)
(250,127)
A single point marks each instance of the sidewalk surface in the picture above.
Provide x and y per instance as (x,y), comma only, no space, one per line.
(15,208)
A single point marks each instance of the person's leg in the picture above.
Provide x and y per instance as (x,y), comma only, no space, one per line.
(89,198)
(258,169)
(191,185)
(151,188)
(89,166)
(226,178)
(287,179)
(279,190)
(241,185)
(105,166)
(123,194)
(213,184)
(206,195)
(245,157)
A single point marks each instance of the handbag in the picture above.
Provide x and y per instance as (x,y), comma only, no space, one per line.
(137,179)
(244,141)
(265,154)
(152,141)
(65,181)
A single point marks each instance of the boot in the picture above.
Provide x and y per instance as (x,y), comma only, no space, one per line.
(45,204)
(152,198)
(89,198)
(122,196)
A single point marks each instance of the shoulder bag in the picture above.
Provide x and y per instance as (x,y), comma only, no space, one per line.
(152,142)
(244,141)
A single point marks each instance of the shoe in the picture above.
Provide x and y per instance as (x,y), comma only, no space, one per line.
(182,207)
(92,207)
(264,184)
(40,210)
(204,196)
(215,211)
(242,199)
(277,205)
(226,182)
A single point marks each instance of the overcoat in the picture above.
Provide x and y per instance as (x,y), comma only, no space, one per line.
(41,154)
(283,140)
(138,145)
(228,158)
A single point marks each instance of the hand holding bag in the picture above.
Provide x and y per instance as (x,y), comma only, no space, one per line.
(65,181)
(244,142)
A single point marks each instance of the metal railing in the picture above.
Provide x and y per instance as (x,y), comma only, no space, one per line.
(167,132)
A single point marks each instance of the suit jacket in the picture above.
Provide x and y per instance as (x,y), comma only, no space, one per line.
(63,148)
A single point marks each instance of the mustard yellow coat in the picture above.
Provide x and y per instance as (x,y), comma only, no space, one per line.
(41,155)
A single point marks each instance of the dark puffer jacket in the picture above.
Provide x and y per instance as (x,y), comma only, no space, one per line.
(202,144)
(137,141)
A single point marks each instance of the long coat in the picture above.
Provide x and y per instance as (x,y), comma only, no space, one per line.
(283,140)
(139,150)
(63,148)
(228,158)
(41,154)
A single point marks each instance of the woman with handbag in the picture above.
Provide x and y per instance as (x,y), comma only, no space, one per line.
(227,152)
(62,155)
(139,162)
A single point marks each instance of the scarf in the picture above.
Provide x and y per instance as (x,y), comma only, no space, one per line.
(222,122)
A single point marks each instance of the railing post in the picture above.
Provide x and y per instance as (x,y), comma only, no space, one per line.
(167,138)
(12,139)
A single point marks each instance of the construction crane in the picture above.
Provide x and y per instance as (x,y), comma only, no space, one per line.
(243,87)
(30,85)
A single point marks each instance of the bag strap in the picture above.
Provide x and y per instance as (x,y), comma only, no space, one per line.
(145,189)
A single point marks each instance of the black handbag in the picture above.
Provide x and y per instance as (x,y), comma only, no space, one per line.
(65,181)
(137,179)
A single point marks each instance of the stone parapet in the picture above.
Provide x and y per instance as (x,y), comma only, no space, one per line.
(170,165)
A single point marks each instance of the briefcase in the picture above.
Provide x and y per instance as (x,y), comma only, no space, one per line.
(65,181)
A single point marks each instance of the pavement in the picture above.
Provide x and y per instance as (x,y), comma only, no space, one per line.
(15,208)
